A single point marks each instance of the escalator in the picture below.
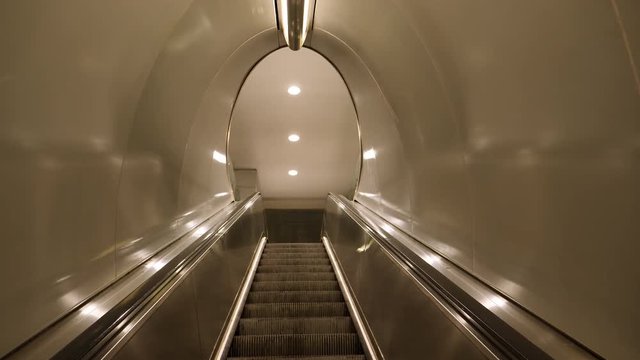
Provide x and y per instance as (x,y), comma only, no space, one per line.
(365,292)
(295,309)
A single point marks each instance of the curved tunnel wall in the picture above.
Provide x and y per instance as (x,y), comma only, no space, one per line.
(110,115)
(506,137)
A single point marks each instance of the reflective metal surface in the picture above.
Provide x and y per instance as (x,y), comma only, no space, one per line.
(405,320)
(295,20)
(98,102)
(211,287)
(504,147)
(488,307)
(225,264)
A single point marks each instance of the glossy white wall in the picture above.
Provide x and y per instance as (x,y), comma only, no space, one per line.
(511,145)
(98,103)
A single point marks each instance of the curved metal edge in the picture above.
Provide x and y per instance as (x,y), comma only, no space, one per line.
(224,343)
(358,120)
(371,348)
(91,341)
(196,215)
(488,325)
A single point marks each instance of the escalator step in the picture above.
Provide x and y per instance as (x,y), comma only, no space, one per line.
(294,297)
(295,344)
(299,255)
(272,250)
(295,276)
(293,261)
(294,268)
(295,286)
(339,357)
(300,244)
(294,248)
(320,325)
(295,310)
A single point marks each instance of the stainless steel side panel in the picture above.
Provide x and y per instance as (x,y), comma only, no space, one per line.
(218,278)
(188,322)
(405,322)
(172,331)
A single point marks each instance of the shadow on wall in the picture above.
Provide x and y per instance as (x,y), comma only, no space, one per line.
(510,148)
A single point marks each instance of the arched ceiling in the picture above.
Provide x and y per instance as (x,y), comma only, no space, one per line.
(326,156)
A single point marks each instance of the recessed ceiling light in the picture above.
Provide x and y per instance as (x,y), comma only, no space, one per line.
(294,90)
(369,154)
(293,172)
(294,137)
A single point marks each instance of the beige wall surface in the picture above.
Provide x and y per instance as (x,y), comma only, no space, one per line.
(505,135)
(323,116)
(511,145)
(98,106)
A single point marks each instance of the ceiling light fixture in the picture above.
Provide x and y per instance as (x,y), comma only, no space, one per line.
(296,20)
(293,172)
(294,137)
(294,90)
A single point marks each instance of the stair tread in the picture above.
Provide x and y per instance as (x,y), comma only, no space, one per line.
(295,285)
(327,309)
(293,296)
(329,357)
(306,325)
(276,244)
(294,255)
(294,261)
(298,276)
(294,268)
(295,344)
(295,309)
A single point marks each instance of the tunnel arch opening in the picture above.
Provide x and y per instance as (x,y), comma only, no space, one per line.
(302,96)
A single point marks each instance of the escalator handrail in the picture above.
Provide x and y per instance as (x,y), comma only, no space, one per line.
(91,340)
(511,343)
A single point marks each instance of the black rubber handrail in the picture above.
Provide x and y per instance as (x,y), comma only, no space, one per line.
(511,343)
(91,340)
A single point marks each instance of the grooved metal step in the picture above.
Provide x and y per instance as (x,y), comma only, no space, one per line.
(295,344)
(296,276)
(294,268)
(294,261)
(310,285)
(339,357)
(295,310)
(317,325)
(310,249)
(294,297)
(294,255)
(293,244)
